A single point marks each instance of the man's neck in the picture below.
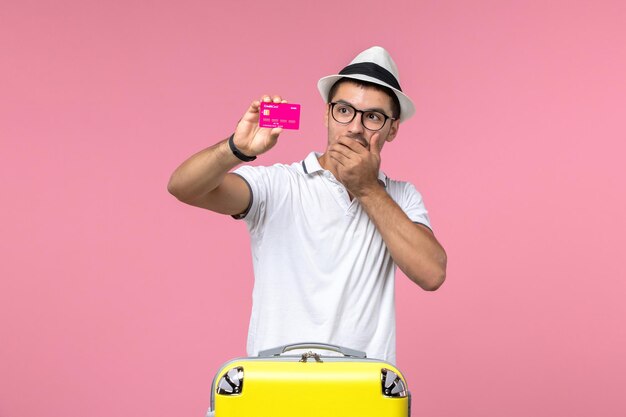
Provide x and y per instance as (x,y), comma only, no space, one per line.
(328,164)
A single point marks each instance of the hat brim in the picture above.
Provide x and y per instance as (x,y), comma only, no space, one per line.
(407,109)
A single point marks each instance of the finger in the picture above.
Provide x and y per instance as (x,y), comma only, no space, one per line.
(344,154)
(374,147)
(354,144)
(343,149)
(338,157)
(339,153)
(277,99)
(266,99)
(252,113)
(254,106)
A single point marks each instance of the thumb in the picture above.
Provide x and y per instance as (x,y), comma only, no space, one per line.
(273,136)
(374,146)
(275,132)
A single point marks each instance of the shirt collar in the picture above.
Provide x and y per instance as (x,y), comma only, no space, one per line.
(311,165)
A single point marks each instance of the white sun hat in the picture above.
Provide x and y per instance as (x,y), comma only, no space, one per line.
(375,66)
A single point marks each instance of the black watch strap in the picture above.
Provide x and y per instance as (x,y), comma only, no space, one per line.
(237,152)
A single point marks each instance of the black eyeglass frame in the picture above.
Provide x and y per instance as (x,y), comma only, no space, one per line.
(334,103)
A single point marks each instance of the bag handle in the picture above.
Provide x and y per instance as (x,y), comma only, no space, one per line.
(277,351)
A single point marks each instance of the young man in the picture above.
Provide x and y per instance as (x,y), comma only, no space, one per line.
(328,231)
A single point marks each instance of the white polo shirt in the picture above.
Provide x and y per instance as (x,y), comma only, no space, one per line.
(322,271)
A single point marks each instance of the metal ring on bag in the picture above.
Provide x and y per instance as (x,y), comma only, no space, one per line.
(306,356)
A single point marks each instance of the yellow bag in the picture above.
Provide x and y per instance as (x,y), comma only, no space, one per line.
(309,385)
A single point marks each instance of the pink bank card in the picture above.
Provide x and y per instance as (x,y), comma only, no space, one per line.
(285,115)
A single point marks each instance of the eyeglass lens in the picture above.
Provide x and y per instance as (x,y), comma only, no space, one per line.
(345,113)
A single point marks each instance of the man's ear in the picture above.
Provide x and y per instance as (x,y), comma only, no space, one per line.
(393,131)
(326,115)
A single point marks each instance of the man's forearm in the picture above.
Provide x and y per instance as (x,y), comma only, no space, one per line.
(202,172)
(413,247)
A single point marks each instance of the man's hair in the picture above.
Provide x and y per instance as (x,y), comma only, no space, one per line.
(395,103)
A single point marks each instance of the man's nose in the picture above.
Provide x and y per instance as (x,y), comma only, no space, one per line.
(356,124)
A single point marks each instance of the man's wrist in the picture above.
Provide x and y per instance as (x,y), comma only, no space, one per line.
(240,155)
(373,191)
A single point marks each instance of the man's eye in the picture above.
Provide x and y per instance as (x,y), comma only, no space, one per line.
(375,117)
(343,109)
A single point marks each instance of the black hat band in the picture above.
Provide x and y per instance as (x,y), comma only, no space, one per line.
(372,70)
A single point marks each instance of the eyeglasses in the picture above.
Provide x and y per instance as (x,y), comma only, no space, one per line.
(371,120)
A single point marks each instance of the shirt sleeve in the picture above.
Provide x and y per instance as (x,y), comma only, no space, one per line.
(410,201)
(258,181)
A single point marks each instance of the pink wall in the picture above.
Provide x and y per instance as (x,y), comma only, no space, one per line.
(116,300)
